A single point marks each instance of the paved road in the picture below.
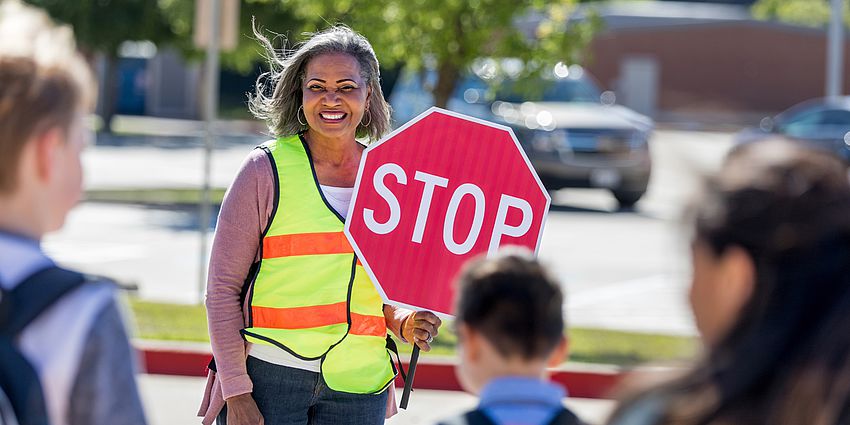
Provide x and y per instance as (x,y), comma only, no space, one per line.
(622,270)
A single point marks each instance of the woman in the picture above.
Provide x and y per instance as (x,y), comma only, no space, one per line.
(770,294)
(298,331)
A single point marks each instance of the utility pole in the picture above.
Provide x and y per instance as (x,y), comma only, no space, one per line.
(835,51)
(211,70)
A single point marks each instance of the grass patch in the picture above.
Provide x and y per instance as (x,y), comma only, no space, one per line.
(176,322)
(628,348)
(187,196)
(170,322)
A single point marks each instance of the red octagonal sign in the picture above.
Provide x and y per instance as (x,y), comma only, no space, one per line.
(436,192)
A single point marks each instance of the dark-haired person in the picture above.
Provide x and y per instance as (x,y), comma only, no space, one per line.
(510,328)
(770,294)
(298,330)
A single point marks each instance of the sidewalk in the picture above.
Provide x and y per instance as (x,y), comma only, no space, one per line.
(174,400)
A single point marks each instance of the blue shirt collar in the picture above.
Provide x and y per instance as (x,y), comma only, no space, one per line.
(521,390)
(19,257)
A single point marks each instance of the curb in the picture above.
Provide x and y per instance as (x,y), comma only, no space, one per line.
(582,380)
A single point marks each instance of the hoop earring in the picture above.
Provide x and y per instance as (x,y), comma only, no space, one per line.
(298,114)
(366,124)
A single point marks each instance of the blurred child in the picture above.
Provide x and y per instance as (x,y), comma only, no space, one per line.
(510,328)
(770,294)
(64,354)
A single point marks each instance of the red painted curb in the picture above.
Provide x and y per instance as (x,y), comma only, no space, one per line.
(582,384)
(174,362)
(430,375)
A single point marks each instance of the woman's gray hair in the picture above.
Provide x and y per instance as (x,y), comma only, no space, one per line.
(281,108)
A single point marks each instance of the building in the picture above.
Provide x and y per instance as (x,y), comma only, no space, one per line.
(704,62)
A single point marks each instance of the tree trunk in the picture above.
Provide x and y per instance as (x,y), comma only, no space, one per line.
(389,77)
(110,92)
(447,75)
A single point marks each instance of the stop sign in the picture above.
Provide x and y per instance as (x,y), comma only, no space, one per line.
(436,192)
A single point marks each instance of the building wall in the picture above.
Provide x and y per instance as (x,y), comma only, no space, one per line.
(727,67)
(172,86)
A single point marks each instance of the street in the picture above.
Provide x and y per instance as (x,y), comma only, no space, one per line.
(622,269)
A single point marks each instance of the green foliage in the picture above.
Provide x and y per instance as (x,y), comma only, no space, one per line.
(814,13)
(448,36)
(102,25)
(275,15)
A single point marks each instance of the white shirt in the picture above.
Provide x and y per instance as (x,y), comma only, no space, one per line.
(339,199)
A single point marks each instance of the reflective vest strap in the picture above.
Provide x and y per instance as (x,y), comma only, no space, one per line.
(368,325)
(318,316)
(299,317)
(290,245)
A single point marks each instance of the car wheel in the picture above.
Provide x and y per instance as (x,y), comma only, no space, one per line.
(627,199)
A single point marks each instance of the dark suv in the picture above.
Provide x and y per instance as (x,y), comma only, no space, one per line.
(818,123)
(573,134)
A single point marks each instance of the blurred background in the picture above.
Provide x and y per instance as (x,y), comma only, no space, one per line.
(621,107)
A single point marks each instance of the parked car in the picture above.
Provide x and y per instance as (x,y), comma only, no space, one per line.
(819,123)
(574,135)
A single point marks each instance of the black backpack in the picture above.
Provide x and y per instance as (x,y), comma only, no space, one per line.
(477,417)
(19,381)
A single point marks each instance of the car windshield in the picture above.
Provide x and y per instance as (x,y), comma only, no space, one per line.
(817,123)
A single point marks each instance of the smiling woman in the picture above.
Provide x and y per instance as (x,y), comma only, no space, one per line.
(298,330)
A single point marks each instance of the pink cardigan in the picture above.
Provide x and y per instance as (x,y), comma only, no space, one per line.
(245,211)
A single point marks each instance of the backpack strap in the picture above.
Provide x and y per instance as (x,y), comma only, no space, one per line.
(565,417)
(18,308)
(33,296)
(473,417)
(478,417)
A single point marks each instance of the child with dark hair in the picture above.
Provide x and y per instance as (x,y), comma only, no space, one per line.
(510,327)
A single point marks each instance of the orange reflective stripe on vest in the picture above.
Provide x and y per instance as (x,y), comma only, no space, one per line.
(316,316)
(305,244)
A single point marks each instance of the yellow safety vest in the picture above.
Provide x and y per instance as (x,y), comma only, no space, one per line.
(311,296)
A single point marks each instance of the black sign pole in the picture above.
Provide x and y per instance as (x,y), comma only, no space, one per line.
(411,371)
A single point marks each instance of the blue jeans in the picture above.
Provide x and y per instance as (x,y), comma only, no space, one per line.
(287,396)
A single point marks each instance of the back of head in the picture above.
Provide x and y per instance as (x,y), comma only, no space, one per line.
(514,303)
(775,199)
(786,359)
(44,81)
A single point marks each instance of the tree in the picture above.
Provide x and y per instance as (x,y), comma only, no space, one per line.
(446,36)
(449,35)
(103,25)
(277,15)
(813,13)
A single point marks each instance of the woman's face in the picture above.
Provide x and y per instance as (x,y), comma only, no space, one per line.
(334,95)
(721,286)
